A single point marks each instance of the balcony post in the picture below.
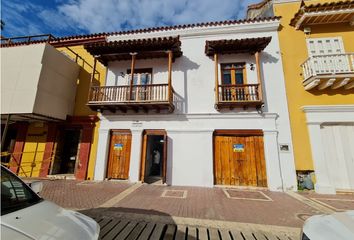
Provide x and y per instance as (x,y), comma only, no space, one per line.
(132,74)
(216,61)
(91,79)
(93,70)
(170,56)
(259,77)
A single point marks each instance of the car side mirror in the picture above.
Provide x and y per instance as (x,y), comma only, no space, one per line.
(36,186)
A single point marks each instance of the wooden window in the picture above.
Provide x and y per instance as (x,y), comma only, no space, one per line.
(328,55)
(142,76)
(233,73)
(141,89)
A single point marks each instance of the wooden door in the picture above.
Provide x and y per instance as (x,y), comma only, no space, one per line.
(239,160)
(119,154)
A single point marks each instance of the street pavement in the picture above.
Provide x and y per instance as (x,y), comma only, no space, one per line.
(224,209)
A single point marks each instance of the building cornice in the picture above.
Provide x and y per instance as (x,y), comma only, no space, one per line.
(256,27)
(328,108)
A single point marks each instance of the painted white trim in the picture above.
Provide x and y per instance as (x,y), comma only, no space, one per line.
(202,31)
(328,108)
(137,117)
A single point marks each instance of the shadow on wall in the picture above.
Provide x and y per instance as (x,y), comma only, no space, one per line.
(266,58)
(82,92)
(132,223)
(183,64)
(340,28)
(331,92)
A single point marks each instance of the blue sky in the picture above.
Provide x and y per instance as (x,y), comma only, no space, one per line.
(72,17)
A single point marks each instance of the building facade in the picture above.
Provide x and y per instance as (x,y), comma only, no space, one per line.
(50,132)
(194,105)
(316,42)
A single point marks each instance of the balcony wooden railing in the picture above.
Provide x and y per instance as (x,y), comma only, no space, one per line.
(328,65)
(153,95)
(239,94)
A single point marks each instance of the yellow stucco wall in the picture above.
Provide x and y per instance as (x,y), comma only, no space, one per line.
(294,52)
(33,150)
(82,91)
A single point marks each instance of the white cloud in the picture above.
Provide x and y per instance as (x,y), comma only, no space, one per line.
(69,17)
(115,15)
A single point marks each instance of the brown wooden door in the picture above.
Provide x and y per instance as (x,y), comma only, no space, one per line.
(239,160)
(119,155)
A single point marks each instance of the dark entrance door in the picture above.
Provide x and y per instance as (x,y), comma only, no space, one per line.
(9,145)
(67,152)
(154,157)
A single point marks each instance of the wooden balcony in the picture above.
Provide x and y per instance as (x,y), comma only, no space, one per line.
(135,97)
(332,70)
(245,95)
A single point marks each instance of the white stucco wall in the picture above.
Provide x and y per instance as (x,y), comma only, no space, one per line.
(190,127)
(37,79)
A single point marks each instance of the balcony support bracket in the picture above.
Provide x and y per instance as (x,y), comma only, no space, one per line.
(326,83)
(349,85)
(312,84)
(340,83)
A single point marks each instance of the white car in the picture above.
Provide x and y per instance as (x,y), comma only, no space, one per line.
(335,226)
(25,215)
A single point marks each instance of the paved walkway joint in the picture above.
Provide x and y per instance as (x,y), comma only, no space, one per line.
(311,203)
(113,201)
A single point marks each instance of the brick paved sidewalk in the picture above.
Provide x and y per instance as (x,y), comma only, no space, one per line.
(338,202)
(259,207)
(81,194)
(256,207)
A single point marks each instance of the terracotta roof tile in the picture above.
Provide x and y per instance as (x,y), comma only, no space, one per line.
(321,7)
(100,37)
(85,38)
(233,46)
(194,25)
(257,5)
(145,48)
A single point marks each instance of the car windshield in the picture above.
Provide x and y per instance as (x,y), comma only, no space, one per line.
(15,194)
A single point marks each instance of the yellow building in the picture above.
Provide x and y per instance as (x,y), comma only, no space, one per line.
(317,48)
(50,141)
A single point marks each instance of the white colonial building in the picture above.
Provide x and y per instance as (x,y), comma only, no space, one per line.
(206,106)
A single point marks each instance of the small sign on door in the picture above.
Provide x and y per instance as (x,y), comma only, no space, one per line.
(118,146)
(238,148)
